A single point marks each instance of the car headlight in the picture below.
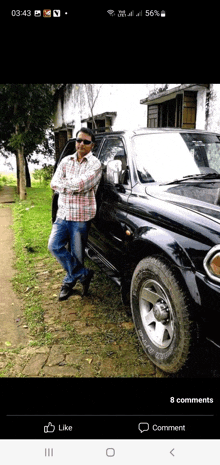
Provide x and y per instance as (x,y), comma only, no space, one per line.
(212,263)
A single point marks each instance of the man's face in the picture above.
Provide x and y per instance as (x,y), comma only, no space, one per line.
(82,148)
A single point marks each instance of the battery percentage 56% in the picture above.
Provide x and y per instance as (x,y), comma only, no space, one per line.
(152,13)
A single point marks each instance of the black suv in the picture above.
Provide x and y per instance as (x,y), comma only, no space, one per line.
(157,233)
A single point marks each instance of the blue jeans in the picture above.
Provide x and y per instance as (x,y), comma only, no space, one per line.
(76,233)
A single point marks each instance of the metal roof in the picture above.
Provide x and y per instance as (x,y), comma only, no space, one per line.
(169,94)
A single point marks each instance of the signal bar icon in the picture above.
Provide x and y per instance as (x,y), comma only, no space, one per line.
(131,13)
(140,13)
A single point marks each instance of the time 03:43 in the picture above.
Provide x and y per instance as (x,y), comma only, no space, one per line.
(21,12)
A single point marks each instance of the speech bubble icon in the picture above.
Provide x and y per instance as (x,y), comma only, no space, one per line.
(143,427)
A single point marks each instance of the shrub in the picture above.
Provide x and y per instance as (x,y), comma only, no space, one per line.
(43,175)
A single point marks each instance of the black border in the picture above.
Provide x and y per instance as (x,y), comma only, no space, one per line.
(91,46)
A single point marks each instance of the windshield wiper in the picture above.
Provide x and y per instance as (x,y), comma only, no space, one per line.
(193,176)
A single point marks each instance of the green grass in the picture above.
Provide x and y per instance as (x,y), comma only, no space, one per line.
(32,221)
(7,180)
(32,226)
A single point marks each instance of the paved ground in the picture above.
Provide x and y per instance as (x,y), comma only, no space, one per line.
(11,334)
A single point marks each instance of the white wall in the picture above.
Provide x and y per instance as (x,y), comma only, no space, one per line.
(213,122)
(125,100)
(121,98)
(201,109)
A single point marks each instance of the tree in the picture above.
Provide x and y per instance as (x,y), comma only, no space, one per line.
(26,112)
(90,92)
(44,174)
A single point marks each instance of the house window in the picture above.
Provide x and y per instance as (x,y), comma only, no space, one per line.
(182,106)
(178,112)
(189,110)
(153,111)
(167,111)
(101,123)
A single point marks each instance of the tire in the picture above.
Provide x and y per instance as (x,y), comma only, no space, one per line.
(160,311)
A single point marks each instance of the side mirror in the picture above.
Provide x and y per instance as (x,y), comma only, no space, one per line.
(114,171)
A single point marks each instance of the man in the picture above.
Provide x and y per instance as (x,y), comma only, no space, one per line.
(76,180)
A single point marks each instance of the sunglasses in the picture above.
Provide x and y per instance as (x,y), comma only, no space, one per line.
(85,142)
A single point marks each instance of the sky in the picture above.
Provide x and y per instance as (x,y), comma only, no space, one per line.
(32,166)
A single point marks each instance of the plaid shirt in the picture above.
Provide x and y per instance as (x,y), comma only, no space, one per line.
(77,183)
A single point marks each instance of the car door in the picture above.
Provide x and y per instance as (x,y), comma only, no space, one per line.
(69,148)
(108,230)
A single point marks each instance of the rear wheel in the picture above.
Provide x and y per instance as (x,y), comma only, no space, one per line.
(160,312)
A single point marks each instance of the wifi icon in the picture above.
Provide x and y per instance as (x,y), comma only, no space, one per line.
(111,12)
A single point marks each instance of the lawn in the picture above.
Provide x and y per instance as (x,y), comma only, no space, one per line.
(32,225)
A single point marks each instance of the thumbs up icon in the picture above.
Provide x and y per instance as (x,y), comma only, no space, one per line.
(49,428)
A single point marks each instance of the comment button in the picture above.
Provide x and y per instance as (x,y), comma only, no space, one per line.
(143,427)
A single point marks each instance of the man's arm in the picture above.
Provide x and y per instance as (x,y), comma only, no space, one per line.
(84,183)
(58,179)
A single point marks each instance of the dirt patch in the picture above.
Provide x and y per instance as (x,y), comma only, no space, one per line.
(12,332)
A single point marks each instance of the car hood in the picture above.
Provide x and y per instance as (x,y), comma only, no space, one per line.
(199,196)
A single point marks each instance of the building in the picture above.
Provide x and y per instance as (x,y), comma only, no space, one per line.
(106,107)
(182,106)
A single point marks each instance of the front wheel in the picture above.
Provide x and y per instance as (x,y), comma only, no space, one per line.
(161,314)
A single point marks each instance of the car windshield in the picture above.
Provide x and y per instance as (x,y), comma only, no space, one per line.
(172,156)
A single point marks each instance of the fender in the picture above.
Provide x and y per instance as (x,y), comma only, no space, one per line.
(157,241)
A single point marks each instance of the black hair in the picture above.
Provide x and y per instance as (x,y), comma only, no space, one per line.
(87,131)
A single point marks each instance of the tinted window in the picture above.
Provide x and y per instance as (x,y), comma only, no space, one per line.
(112,147)
(97,145)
